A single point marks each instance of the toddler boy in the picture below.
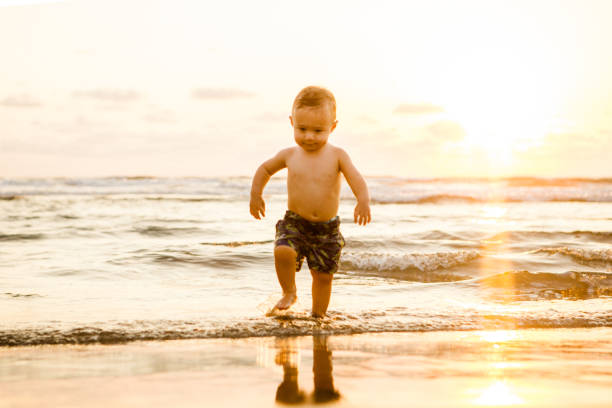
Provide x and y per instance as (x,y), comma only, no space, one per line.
(310,228)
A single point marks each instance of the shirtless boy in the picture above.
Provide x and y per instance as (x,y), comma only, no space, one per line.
(310,228)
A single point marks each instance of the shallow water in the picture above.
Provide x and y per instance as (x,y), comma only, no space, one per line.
(118,259)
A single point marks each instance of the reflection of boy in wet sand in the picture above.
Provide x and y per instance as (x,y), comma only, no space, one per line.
(310,228)
(322,368)
(288,391)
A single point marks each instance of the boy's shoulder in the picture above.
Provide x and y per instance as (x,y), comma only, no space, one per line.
(286,152)
(340,153)
(338,150)
(335,150)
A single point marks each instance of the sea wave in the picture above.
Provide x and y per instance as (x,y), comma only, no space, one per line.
(20,237)
(510,181)
(599,236)
(410,266)
(469,199)
(298,324)
(21,295)
(159,231)
(525,285)
(383,190)
(228,260)
(476,237)
(596,257)
(233,244)
(427,199)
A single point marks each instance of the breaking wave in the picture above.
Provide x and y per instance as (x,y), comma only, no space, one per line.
(409,266)
(402,262)
(299,324)
(584,256)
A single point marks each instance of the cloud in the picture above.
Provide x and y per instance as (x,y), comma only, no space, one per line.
(20,101)
(221,93)
(417,109)
(109,95)
(446,130)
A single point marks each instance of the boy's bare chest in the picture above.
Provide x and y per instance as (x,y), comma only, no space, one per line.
(306,169)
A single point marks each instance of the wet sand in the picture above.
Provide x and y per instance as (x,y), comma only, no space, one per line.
(525,368)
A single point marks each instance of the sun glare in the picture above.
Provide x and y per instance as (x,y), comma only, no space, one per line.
(504,102)
(498,394)
(498,131)
(498,336)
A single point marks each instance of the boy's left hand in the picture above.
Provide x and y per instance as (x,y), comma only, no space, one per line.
(362,213)
(257,206)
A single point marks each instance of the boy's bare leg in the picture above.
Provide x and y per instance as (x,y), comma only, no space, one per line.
(321,292)
(284,260)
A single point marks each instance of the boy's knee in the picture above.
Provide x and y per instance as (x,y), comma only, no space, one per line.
(285,252)
(321,277)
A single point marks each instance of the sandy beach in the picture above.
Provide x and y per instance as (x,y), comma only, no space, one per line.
(526,368)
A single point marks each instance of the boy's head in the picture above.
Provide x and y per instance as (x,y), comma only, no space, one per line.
(315,96)
(313,117)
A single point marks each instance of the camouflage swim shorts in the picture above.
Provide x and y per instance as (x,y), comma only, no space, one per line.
(319,242)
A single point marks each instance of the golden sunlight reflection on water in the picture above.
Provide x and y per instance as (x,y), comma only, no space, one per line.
(498,394)
(492,218)
(496,343)
(497,336)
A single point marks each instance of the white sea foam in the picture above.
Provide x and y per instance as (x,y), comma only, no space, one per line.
(299,324)
(385,261)
(581,254)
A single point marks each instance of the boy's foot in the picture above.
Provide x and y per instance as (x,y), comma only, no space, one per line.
(286,301)
(321,396)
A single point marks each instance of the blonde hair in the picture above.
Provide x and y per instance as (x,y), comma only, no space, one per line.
(315,96)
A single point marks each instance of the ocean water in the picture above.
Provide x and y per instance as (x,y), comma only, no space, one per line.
(117,259)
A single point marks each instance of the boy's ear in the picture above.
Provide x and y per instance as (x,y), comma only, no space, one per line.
(333,126)
(291,120)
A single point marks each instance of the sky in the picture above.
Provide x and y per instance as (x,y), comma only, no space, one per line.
(204,88)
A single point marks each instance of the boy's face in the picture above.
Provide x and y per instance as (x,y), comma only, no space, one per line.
(312,126)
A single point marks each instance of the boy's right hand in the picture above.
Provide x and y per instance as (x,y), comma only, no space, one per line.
(257,207)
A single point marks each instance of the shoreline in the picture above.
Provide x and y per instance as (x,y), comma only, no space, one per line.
(525,367)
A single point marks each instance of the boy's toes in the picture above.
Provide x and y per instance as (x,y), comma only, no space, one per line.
(286,301)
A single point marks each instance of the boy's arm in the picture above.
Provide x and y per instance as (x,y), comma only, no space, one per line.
(359,187)
(260,179)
